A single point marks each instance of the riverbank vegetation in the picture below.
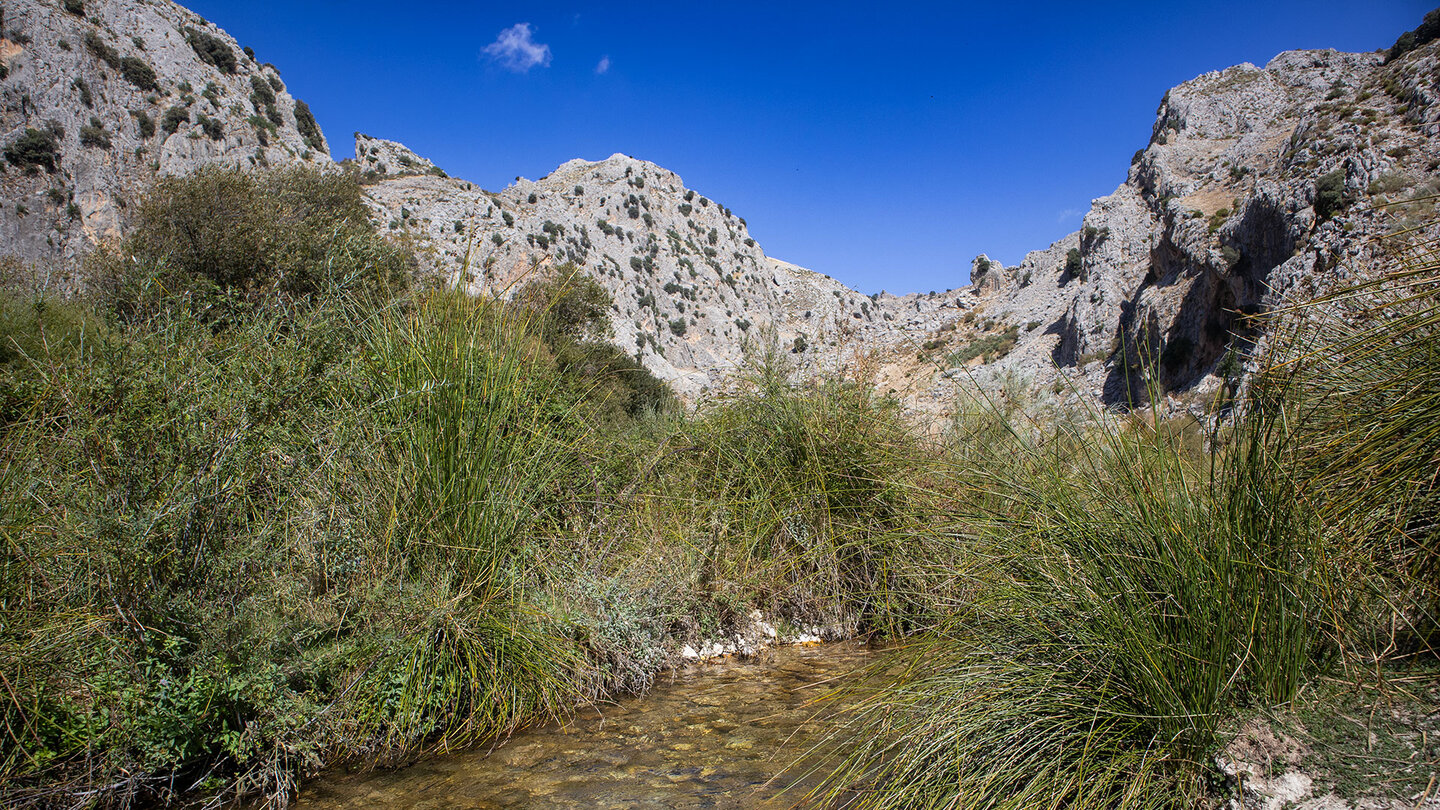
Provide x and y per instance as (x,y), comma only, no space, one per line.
(271,503)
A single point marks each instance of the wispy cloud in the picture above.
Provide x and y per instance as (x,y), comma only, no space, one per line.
(1069,214)
(516,49)
(604,66)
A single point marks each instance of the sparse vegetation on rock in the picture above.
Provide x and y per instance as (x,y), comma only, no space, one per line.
(211,49)
(35,149)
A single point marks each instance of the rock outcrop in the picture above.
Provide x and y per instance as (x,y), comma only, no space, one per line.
(1258,186)
(99,98)
(691,288)
(381,158)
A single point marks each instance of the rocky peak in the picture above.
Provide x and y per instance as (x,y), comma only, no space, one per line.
(691,287)
(377,158)
(1256,185)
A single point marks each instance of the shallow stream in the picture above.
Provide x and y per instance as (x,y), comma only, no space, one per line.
(717,735)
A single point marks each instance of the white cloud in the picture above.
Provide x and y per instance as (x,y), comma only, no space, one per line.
(516,50)
(1069,214)
(604,66)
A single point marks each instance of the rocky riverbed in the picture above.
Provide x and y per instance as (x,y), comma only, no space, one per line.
(728,733)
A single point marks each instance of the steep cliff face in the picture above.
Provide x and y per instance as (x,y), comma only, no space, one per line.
(1259,186)
(99,97)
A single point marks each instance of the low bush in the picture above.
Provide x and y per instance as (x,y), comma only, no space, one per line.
(139,73)
(34,150)
(175,117)
(988,348)
(94,134)
(101,49)
(308,128)
(1074,262)
(211,49)
(221,242)
(1330,195)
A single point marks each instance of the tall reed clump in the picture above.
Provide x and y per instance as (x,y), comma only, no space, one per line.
(477,445)
(1133,598)
(1363,369)
(268,513)
(813,492)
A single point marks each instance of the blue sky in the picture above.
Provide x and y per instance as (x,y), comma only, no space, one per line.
(885,144)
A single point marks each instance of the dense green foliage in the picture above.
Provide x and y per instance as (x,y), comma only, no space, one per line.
(307,126)
(35,149)
(211,49)
(139,73)
(222,242)
(1428,31)
(1128,597)
(270,503)
(1330,195)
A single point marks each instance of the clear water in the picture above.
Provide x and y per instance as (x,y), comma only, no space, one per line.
(718,735)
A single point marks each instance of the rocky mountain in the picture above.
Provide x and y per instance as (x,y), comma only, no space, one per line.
(1258,186)
(99,97)
(691,287)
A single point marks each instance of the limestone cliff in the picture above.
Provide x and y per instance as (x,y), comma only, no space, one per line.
(99,97)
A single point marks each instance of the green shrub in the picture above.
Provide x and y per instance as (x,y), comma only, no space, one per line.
(813,487)
(222,242)
(1428,31)
(94,134)
(568,306)
(1218,219)
(76,7)
(213,128)
(308,128)
(1074,262)
(85,96)
(678,327)
(989,348)
(101,49)
(1330,195)
(34,150)
(262,92)
(211,49)
(175,117)
(139,73)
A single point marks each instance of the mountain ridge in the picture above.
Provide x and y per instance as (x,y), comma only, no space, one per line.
(1258,185)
